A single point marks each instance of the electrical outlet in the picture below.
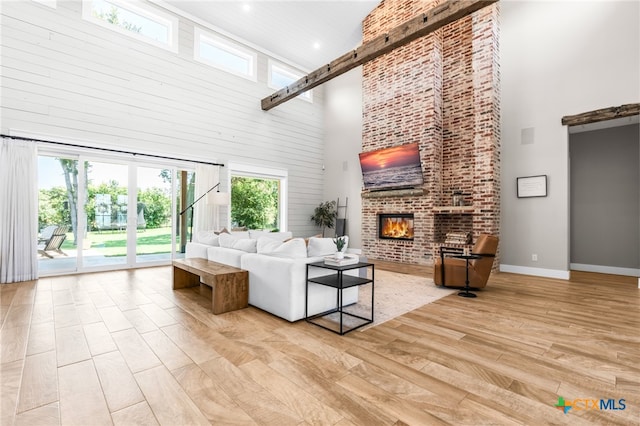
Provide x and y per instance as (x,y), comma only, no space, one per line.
(534,257)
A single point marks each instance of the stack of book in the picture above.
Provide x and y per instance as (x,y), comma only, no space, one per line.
(349,259)
(458,238)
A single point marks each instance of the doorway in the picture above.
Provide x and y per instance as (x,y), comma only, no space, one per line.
(605,197)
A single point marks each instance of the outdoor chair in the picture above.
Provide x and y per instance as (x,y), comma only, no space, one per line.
(54,242)
(46,233)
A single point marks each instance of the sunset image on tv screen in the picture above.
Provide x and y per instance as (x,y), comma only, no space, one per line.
(397,166)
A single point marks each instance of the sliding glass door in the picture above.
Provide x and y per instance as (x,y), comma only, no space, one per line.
(112,214)
(153,215)
(107,211)
(57,214)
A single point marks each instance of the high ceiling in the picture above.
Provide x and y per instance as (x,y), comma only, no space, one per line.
(307,33)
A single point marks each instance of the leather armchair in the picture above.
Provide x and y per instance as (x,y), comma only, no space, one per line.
(453,274)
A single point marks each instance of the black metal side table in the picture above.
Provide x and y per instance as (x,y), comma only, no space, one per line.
(467,258)
(339,281)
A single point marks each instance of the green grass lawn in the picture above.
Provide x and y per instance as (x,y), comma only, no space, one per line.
(114,243)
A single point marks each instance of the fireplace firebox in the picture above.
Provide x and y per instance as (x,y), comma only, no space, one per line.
(395,226)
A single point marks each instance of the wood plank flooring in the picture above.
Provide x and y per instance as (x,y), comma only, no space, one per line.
(124,348)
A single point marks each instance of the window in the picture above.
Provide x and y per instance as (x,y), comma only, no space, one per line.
(281,76)
(224,55)
(142,23)
(258,197)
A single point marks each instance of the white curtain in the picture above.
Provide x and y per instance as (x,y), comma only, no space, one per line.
(18,211)
(204,214)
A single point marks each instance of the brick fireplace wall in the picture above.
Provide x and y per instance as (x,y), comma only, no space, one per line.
(441,91)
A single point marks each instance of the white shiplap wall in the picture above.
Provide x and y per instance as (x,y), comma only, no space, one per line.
(66,77)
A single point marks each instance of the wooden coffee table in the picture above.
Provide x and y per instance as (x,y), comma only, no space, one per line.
(229,285)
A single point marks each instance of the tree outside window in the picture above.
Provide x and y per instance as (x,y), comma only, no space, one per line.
(254,203)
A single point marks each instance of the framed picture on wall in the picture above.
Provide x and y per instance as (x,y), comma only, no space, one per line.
(532,186)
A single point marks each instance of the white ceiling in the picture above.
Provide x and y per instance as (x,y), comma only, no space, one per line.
(288,29)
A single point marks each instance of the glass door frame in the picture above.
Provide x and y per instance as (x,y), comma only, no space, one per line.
(82,213)
(86,155)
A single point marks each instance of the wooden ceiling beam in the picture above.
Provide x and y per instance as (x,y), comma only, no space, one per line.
(610,113)
(413,29)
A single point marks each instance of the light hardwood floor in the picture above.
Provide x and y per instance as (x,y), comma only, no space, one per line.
(124,348)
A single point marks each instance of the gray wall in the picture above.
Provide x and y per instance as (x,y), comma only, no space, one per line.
(65,78)
(585,56)
(605,198)
(343,143)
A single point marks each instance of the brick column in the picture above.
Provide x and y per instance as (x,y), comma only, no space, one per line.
(429,92)
(486,102)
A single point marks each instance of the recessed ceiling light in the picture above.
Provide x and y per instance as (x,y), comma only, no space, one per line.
(246,7)
(316,45)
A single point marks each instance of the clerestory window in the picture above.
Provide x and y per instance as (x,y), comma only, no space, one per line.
(225,55)
(281,76)
(137,20)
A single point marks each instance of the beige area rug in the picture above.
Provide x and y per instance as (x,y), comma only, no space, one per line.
(395,294)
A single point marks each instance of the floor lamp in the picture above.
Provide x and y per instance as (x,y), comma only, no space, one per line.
(218,199)
(190,207)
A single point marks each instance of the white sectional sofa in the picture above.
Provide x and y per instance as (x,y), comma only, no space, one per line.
(277,265)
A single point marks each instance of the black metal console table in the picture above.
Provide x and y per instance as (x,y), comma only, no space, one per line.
(340,281)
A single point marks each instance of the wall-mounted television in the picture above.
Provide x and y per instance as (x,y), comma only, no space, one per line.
(392,168)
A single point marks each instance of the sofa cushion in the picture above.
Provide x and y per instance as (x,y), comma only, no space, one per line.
(194,249)
(226,256)
(209,238)
(323,246)
(231,241)
(291,249)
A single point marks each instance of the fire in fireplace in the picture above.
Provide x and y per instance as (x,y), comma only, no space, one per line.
(395,226)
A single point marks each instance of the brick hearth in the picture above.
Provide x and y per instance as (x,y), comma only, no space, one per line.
(441,91)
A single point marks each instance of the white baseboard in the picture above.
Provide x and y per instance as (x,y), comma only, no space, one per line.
(538,272)
(564,275)
(613,270)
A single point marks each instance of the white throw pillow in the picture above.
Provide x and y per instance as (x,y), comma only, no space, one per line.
(226,240)
(292,249)
(240,234)
(280,236)
(266,245)
(246,244)
(207,237)
(324,246)
(232,242)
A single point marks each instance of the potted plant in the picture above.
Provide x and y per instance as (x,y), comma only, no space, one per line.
(325,215)
(340,242)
